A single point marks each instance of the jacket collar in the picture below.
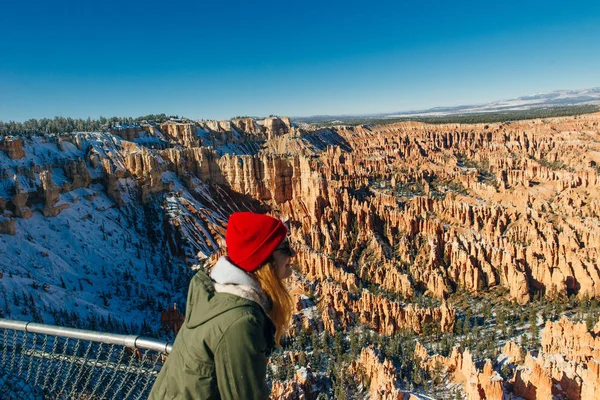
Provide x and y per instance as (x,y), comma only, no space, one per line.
(233,280)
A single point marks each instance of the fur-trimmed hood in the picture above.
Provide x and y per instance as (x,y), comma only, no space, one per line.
(230,279)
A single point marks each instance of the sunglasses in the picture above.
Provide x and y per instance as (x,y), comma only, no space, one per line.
(286,249)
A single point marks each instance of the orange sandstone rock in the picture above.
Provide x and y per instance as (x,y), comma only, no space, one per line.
(486,384)
(13,147)
(566,367)
(514,352)
(380,374)
(379,313)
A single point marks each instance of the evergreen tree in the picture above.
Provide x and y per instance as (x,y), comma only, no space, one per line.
(467,323)
(326,341)
(354,346)
(315,341)
(338,344)
(534,330)
(590,321)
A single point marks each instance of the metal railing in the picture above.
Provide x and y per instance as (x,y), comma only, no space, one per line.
(44,361)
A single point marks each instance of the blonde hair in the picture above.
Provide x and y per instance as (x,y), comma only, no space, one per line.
(282,306)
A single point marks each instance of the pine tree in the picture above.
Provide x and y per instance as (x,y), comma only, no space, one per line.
(354,347)
(341,390)
(338,345)
(534,330)
(315,341)
(590,321)
(281,374)
(326,341)
(467,322)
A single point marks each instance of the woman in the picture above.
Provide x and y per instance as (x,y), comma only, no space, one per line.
(234,318)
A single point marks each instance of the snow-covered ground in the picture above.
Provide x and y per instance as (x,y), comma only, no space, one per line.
(95,260)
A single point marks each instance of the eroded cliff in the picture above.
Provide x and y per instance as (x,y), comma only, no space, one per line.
(388,223)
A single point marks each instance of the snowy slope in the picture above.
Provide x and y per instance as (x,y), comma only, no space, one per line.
(97,265)
(93,258)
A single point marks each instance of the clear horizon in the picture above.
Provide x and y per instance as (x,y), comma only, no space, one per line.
(217,61)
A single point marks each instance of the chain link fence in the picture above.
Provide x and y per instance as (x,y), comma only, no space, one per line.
(49,362)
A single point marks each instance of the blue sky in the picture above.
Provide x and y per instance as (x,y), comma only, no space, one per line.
(218,60)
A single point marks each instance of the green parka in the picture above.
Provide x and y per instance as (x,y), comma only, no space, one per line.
(221,350)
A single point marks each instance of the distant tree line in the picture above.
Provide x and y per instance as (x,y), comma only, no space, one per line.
(68,125)
(478,118)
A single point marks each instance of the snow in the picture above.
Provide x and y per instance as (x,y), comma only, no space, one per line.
(58,177)
(41,150)
(240,149)
(302,373)
(180,209)
(93,258)
(52,152)
(420,396)
(128,189)
(556,98)
(34,256)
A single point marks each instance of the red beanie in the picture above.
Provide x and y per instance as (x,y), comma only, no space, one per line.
(252,238)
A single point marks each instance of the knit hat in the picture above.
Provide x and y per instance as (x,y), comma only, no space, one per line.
(252,238)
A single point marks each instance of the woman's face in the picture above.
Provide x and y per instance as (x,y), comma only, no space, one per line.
(282,259)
